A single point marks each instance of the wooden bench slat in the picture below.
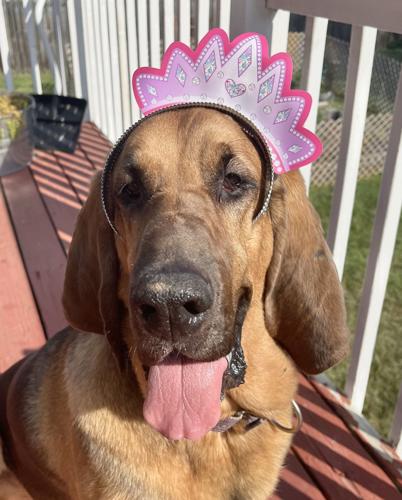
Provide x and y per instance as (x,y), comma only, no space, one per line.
(20,327)
(41,249)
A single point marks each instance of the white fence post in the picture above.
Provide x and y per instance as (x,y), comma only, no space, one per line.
(125,77)
(60,45)
(395,435)
(361,56)
(143,48)
(185,21)
(202,19)
(76,30)
(100,67)
(278,37)
(379,262)
(311,76)
(33,55)
(107,71)
(132,53)
(114,69)
(154,15)
(90,67)
(39,8)
(168,22)
(5,51)
(224,15)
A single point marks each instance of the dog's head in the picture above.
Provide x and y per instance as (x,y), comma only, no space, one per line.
(190,259)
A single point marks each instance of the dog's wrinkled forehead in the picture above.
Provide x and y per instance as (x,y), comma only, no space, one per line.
(166,140)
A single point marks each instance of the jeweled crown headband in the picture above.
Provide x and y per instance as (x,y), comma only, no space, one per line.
(240,79)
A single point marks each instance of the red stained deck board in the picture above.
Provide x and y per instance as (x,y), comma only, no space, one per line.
(336,460)
(58,194)
(94,145)
(380,450)
(20,327)
(79,171)
(40,246)
(295,483)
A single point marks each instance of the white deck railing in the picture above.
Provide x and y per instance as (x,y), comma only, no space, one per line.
(110,38)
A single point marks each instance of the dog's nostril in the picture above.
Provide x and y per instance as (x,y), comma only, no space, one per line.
(193,307)
(148,311)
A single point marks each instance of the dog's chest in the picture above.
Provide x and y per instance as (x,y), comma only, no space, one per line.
(130,460)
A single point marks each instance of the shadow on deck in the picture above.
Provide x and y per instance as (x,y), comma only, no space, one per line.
(38,207)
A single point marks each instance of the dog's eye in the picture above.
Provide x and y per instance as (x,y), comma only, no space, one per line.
(232,182)
(232,187)
(131,193)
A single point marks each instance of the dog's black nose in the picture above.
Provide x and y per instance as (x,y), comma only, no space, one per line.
(171,304)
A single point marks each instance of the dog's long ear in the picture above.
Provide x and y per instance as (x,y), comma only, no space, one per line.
(91,281)
(304,304)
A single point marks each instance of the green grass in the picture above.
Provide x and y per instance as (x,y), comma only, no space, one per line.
(386,371)
(23,83)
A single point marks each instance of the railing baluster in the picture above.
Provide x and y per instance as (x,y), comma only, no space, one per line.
(114,69)
(60,44)
(107,71)
(168,22)
(224,15)
(91,69)
(202,18)
(395,435)
(132,52)
(155,33)
(185,21)
(33,55)
(279,33)
(125,76)
(76,30)
(314,48)
(5,51)
(379,262)
(99,67)
(361,56)
(143,33)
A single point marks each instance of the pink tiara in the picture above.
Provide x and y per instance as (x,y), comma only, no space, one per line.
(241,76)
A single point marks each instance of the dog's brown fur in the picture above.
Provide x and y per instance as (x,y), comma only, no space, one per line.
(72,414)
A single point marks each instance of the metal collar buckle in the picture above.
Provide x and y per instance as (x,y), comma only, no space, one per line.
(252,421)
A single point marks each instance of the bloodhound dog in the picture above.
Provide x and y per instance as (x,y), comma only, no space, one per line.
(122,406)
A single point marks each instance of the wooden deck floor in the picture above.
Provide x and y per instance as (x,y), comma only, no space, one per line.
(330,458)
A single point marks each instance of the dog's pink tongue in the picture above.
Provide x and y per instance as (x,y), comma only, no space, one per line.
(183,397)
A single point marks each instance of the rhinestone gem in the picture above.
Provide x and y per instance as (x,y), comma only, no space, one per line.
(220,100)
(251,86)
(267,109)
(244,61)
(253,116)
(238,107)
(196,80)
(294,148)
(152,90)
(282,116)
(209,66)
(220,74)
(203,96)
(181,75)
(266,88)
